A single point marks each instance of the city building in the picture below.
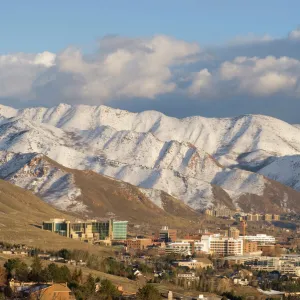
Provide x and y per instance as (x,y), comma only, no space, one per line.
(167,235)
(217,244)
(233,232)
(119,230)
(260,238)
(210,244)
(59,226)
(250,247)
(249,217)
(286,264)
(242,259)
(267,217)
(195,263)
(88,230)
(184,247)
(220,212)
(256,217)
(138,244)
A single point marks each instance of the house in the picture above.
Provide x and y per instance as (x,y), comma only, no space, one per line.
(240,281)
(137,273)
(44,256)
(57,291)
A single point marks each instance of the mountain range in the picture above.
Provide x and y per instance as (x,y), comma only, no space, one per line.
(250,163)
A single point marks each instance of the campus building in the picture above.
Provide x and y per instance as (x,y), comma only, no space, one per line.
(59,226)
(250,247)
(184,247)
(260,239)
(88,230)
(210,244)
(220,212)
(138,244)
(195,263)
(233,232)
(167,235)
(217,244)
(267,217)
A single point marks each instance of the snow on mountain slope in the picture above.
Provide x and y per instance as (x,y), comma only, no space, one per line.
(177,168)
(284,169)
(224,138)
(86,193)
(144,149)
(32,172)
(154,151)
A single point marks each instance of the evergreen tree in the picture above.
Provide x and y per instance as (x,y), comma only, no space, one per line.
(108,291)
(148,292)
(36,269)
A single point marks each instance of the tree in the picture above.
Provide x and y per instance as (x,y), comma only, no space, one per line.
(64,253)
(3,276)
(22,272)
(11,265)
(65,274)
(77,275)
(90,285)
(108,291)
(36,269)
(148,292)
(54,271)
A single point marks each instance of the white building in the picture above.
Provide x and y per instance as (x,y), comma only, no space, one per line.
(184,247)
(217,244)
(260,238)
(210,244)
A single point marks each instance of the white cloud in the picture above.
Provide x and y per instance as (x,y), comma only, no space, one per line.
(254,76)
(125,68)
(201,82)
(131,70)
(294,34)
(18,71)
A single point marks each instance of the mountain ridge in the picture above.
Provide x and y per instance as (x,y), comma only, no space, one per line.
(151,150)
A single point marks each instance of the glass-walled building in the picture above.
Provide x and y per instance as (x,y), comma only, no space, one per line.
(101,228)
(89,230)
(119,230)
(60,226)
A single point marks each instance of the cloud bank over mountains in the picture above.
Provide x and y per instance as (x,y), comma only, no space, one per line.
(249,74)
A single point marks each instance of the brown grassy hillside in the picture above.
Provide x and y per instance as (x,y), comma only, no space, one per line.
(21,215)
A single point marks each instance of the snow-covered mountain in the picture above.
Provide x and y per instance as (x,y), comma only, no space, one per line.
(88,194)
(185,158)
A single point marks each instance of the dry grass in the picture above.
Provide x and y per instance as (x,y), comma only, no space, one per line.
(21,215)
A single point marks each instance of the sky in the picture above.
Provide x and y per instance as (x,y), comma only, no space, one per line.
(210,58)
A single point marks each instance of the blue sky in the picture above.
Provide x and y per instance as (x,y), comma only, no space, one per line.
(33,26)
(194,57)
